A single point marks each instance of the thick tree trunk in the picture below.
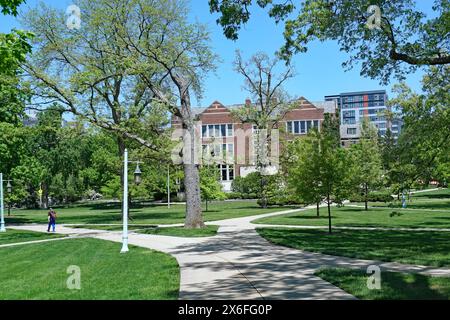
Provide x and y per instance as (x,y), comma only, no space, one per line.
(194,218)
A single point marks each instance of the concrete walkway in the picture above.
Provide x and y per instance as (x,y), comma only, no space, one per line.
(239,264)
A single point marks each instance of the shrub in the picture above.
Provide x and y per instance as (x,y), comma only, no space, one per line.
(373,197)
(251,184)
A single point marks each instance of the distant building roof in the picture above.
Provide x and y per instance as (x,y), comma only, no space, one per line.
(328,106)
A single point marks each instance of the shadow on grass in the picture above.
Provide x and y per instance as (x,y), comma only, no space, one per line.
(394,285)
(412,247)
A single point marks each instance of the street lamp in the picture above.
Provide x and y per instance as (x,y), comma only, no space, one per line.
(137,180)
(137,175)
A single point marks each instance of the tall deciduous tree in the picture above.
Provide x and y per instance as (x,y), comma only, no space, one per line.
(271,103)
(130,63)
(404,40)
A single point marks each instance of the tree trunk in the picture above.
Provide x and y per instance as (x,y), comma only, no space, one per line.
(318,209)
(194,219)
(206,200)
(45,197)
(329,214)
(263,191)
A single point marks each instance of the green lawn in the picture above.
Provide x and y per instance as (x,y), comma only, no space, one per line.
(358,217)
(16,236)
(39,271)
(109,213)
(394,285)
(434,200)
(431,210)
(411,247)
(209,231)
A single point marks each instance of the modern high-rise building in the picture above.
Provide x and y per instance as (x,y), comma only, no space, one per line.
(354,107)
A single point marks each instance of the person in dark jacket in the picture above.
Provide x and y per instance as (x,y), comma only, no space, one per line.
(51,220)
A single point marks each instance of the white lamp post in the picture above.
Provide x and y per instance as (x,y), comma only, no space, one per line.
(125,204)
(137,180)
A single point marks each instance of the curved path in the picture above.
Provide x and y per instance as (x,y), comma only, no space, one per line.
(239,264)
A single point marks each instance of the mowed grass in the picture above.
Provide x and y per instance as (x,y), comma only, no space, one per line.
(208,231)
(39,271)
(19,236)
(110,213)
(433,200)
(434,214)
(358,217)
(410,247)
(394,285)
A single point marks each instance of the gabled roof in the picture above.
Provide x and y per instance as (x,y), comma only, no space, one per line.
(328,106)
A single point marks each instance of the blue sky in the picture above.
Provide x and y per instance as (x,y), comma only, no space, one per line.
(319,71)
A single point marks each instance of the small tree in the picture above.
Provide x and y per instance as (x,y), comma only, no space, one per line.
(366,173)
(210,187)
(319,169)
(303,169)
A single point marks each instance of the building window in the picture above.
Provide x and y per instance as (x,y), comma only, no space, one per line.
(351,131)
(226,172)
(297,127)
(217,131)
(226,154)
(289,126)
(302,127)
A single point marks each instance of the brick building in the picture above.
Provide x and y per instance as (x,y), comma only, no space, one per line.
(225,137)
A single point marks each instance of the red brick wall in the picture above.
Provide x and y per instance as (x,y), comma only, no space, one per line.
(219,114)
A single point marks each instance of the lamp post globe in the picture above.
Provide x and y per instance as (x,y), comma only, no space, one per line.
(137,175)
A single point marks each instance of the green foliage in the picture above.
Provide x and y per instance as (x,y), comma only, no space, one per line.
(210,186)
(251,184)
(423,151)
(385,197)
(13,95)
(365,162)
(113,189)
(10,6)
(405,35)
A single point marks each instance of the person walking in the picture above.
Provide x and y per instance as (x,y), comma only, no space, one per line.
(51,220)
